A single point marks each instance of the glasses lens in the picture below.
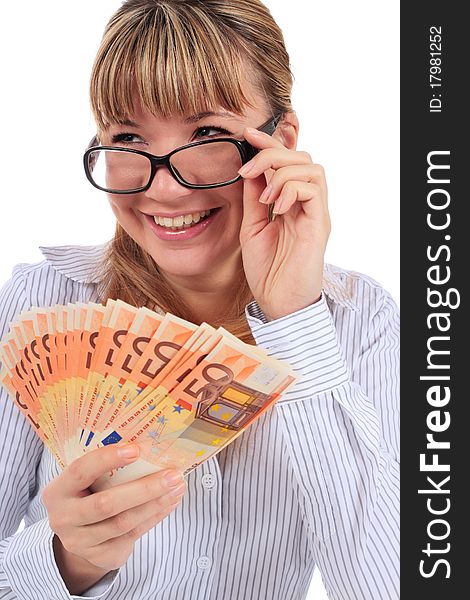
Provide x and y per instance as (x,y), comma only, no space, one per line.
(119,170)
(208,164)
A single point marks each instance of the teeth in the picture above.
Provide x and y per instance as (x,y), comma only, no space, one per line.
(178,222)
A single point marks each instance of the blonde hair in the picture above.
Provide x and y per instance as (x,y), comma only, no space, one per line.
(182,57)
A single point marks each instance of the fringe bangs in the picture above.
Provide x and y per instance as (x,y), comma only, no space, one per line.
(175,64)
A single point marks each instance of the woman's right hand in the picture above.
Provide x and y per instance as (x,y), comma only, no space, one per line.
(95,532)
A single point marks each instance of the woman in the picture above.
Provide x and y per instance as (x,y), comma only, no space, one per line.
(315,480)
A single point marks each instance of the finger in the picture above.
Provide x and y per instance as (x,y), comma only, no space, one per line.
(307,173)
(260,139)
(99,554)
(120,498)
(273,158)
(255,214)
(309,194)
(84,471)
(154,520)
(130,521)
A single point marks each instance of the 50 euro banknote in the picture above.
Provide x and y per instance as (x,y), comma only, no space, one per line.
(88,375)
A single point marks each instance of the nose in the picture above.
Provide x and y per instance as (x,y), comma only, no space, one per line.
(164,188)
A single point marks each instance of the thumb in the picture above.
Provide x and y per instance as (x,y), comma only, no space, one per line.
(84,471)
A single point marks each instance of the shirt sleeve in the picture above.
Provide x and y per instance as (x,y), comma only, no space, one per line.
(340,425)
(27,566)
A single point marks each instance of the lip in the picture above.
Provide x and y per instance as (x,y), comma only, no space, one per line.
(183,234)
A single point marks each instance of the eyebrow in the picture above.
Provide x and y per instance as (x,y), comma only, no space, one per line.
(129,123)
(202,115)
(192,119)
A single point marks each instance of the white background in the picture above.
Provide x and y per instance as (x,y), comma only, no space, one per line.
(344,56)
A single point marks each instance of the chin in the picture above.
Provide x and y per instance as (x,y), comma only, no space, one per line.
(178,270)
(184,263)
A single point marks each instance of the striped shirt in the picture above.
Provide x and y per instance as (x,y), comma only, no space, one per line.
(313,482)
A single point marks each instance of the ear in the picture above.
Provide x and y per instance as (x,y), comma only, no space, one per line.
(287,131)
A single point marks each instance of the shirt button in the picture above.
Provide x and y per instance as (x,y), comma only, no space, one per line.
(203,562)
(208,481)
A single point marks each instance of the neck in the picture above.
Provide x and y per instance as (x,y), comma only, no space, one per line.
(209,296)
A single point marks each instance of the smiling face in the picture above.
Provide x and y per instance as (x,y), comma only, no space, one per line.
(161,219)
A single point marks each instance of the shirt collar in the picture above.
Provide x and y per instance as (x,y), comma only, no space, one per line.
(80,263)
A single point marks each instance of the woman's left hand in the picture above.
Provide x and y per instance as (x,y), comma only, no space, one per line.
(283,259)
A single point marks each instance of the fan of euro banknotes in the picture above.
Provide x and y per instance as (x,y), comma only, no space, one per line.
(88,375)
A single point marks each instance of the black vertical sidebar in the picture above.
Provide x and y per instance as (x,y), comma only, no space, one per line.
(435,321)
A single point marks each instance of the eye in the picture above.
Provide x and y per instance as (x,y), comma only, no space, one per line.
(203,131)
(123,138)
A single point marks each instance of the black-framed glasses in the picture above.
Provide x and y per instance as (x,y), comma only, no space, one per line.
(199,165)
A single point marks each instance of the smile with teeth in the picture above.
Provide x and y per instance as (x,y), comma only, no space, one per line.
(183,221)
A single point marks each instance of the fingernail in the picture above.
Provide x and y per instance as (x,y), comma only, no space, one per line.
(246,168)
(254,131)
(172,478)
(265,195)
(131,451)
